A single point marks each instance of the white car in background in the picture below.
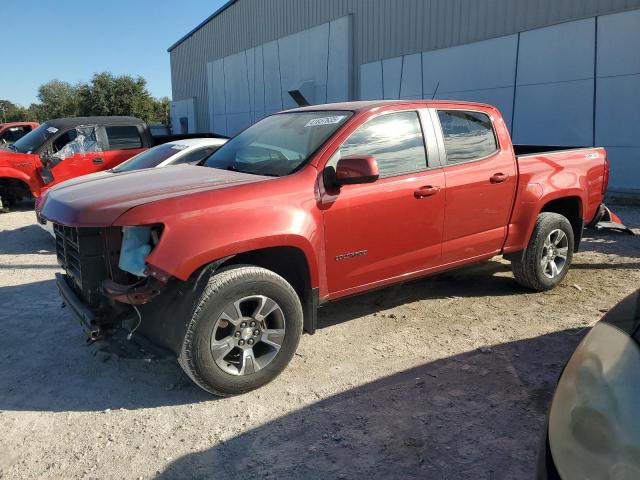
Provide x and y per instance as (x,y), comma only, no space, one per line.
(192,151)
(187,151)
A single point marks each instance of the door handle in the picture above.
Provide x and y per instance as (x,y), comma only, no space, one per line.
(498,178)
(426,191)
(98,161)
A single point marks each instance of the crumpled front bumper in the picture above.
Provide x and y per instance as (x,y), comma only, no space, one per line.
(79,310)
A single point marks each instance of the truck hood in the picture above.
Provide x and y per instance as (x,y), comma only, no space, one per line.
(98,200)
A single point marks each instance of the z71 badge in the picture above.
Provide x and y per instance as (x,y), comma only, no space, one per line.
(346,256)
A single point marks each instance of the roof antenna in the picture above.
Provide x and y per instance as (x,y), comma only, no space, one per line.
(298,97)
(436,91)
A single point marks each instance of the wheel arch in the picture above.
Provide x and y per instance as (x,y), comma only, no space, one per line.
(14,181)
(570,207)
(289,261)
(570,204)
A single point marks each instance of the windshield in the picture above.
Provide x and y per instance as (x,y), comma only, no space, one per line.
(150,158)
(33,140)
(278,145)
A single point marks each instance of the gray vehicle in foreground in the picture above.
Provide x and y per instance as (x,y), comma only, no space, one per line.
(594,423)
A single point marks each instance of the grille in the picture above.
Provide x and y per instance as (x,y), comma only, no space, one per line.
(80,252)
(40,220)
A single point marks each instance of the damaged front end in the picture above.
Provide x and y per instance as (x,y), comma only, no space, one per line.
(148,282)
(107,276)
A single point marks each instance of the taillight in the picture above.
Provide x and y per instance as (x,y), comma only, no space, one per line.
(605,178)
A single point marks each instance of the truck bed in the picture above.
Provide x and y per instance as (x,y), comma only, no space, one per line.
(522,149)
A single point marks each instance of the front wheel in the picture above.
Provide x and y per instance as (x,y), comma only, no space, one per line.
(244,331)
(546,260)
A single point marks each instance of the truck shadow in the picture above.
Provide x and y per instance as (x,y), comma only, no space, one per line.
(46,365)
(30,240)
(476,281)
(474,415)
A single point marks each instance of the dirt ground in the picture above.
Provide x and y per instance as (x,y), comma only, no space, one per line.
(447,377)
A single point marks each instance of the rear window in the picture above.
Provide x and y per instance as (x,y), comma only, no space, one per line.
(123,138)
(467,135)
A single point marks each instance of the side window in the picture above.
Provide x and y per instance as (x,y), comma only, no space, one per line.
(77,140)
(64,139)
(123,138)
(395,140)
(467,135)
(196,156)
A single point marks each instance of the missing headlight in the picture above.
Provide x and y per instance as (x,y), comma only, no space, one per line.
(137,243)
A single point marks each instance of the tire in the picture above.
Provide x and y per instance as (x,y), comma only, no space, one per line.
(533,268)
(234,297)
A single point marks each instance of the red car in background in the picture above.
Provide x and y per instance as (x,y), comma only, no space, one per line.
(13,131)
(64,148)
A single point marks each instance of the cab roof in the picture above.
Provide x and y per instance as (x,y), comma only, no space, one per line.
(360,106)
(76,121)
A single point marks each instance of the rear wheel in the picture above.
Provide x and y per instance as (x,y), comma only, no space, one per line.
(546,260)
(244,331)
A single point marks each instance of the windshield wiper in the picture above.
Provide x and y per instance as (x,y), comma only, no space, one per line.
(239,170)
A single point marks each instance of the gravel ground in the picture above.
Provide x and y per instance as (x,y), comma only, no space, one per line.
(447,377)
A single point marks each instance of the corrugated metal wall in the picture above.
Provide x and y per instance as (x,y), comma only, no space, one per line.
(381,29)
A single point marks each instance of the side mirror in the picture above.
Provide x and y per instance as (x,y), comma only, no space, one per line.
(49,161)
(354,170)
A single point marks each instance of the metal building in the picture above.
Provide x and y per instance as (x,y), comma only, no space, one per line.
(563,72)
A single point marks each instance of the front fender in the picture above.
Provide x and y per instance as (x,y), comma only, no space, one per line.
(9,172)
(204,227)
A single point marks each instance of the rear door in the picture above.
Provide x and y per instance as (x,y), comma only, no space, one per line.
(386,229)
(122,143)
(481,178)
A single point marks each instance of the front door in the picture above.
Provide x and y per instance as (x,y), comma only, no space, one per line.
(481,180)
(73,153)
(383,230)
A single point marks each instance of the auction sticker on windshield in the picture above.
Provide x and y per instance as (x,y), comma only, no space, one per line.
(325,121)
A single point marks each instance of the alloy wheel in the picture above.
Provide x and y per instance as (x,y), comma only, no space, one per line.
(248,335)
(554,253)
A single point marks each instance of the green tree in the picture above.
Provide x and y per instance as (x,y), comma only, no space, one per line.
(160,110)
(10,112)
(58,99)
(107,94)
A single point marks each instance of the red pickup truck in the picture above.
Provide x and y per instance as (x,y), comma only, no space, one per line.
(64,148)
(226,264)
(13,131)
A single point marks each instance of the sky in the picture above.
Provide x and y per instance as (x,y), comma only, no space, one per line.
(70,40)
